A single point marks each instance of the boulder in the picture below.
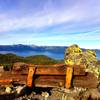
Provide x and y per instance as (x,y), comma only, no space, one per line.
(75,55)
(8,90)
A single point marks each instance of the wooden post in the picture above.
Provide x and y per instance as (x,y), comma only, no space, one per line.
(30,76)
(69,73)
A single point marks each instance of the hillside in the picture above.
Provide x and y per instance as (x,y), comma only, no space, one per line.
(10,58)
(41,59)
(37,59)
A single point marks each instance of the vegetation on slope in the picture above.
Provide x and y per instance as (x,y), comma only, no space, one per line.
(41,59)
(8,59)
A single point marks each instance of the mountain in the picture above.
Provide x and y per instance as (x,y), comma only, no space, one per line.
(56,52)
(16,48)
(22,48)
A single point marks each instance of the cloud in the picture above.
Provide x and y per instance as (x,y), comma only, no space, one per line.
(76,14)
(51,22)
(92,35)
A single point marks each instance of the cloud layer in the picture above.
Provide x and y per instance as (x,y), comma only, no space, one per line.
(63,21)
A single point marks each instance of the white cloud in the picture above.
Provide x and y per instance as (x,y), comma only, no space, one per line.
(69,23)
(81,12)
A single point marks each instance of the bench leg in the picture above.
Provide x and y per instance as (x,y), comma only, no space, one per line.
(30,76)
(69,74)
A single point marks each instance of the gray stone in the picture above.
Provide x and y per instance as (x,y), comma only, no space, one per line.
(8,90)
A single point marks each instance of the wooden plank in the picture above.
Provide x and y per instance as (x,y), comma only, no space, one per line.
(12,78)
(54,70)
(6,81)
(90,81)
(87,81)
(54,65)
(49,81)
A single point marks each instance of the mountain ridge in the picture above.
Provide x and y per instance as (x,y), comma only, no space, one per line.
(20,49)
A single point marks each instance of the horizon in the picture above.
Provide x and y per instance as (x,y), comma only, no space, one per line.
(47,45)
(50,22)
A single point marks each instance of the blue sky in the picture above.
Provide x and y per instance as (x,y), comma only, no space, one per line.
(50,22)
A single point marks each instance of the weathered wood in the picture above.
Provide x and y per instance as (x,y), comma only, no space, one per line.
(58,81)
(87,81)
(54,65)
(21,79)
(58,71)
(69,75)
(5,81)
(49,81)
(50,76)
(30,76)
(54,70)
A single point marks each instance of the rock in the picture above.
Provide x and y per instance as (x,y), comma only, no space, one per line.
(99,87)
(20,89)
(67,90)
(45,95)
(69,98)
(95,94)
(90,94)
(2,89)
(8,90)
(75,56)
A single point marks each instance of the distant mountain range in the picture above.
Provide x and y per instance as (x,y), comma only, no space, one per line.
(56,52)
(23,48)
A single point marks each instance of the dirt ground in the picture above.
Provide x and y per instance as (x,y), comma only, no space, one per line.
(75,93)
